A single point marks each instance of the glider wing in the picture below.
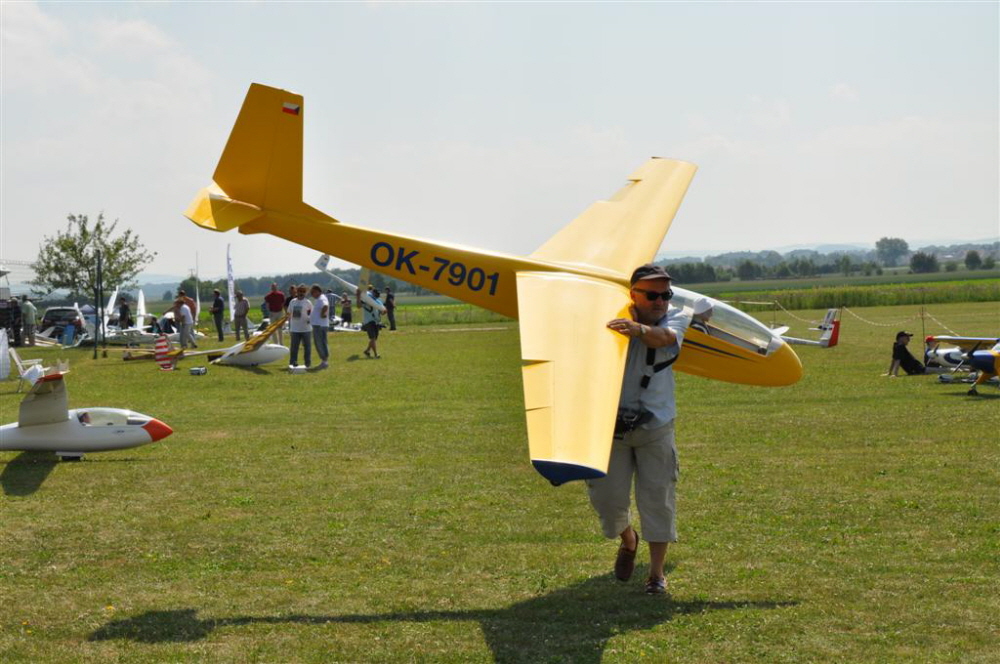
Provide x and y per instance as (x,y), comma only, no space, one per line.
(967,344)
(258,340)
(572,367)
(625,231)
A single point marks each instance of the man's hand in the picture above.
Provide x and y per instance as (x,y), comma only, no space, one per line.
(625,327)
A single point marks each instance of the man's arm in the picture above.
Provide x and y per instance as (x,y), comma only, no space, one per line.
(652,336)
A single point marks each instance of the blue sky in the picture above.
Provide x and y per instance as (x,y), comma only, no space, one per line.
(494,125)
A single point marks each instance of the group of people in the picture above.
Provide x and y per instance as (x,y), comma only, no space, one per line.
(19,318)
(313,317)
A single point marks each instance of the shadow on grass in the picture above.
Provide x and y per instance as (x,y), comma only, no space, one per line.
(570,624)
(25,473)
(985,396)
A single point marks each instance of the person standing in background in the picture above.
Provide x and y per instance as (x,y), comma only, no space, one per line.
(275,301)
(319,319)
(218,308)
(29,314)
(345,310)
(240,316)
(390,307)
(299,310)
(124,314)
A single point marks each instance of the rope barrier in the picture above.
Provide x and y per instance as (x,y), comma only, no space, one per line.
(871,322)
(798,318)
(941,324)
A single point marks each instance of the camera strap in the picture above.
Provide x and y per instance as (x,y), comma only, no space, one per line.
(657,367)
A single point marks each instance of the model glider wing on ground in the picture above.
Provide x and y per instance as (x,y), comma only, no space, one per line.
(563,294)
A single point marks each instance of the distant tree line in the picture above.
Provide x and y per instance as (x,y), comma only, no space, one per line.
(801,263)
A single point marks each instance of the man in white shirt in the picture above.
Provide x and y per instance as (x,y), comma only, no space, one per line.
(299,310)
(185,323)
(643,446)
(320,321)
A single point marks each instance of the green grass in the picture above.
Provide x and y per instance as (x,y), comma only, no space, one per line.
(898,275)
(385,511)
(889,294)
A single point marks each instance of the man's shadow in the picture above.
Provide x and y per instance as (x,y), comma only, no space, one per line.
(25,473)
(571,624)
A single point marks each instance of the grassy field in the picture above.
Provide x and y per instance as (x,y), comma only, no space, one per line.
(385,511)
(890,276)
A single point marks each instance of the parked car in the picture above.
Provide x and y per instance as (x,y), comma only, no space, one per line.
(58,317)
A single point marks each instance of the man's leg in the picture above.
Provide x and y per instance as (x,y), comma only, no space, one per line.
(295,348)
(657,471)
(275,315)
(610,497)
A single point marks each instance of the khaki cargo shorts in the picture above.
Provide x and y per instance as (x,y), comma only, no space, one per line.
(650,456)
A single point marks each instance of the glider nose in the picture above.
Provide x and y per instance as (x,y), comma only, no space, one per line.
(157,430)
(785,367)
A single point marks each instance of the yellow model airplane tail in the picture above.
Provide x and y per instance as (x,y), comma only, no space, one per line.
(563,294)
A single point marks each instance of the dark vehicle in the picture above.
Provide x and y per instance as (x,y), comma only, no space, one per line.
(58,317)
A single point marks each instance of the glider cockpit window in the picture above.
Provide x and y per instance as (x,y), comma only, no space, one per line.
(730,324)
(102,417)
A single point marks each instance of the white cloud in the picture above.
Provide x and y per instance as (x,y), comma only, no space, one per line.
(767,114)
(843,92)
(106,112)
(128,37)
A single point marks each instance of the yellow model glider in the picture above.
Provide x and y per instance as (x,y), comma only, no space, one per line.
(563,294)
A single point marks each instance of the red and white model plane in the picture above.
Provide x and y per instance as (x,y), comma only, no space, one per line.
(45,423)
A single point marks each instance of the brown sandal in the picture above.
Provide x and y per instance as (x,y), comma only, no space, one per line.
(625,561)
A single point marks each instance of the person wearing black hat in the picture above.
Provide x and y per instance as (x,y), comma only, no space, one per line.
(901,357)
(643,445)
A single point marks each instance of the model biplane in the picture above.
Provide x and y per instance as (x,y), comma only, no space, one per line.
(979,354)
(563,294)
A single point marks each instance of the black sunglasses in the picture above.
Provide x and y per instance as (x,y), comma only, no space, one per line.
(653,296)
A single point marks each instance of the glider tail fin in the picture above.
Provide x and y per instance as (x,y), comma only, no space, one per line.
(261,166)
(831,329)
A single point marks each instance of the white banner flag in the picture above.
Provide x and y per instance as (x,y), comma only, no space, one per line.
(232,288)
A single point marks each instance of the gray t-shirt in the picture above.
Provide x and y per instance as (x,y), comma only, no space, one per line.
(658,396)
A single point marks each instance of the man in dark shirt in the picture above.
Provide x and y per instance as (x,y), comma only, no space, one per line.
(390,307)
(218,307)
(124,315)
(901,357)
(275,302)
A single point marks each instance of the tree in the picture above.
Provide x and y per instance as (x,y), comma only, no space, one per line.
(890,249)
(921,262)
(989,263)
(973,260)
(748,270)
(844,263)
(205,288)
(69,260)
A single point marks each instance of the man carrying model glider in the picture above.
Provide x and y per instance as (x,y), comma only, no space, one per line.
(644,431)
